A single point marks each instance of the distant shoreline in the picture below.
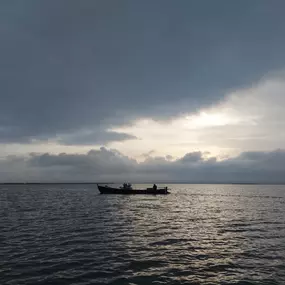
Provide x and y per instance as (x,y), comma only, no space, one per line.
(94,183)
(52,183)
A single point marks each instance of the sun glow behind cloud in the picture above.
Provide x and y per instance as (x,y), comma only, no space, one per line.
(249,119)
(210,119)
(179,135)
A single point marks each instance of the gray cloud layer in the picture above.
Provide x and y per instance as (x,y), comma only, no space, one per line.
(94,137)
(69,65)
(111,165)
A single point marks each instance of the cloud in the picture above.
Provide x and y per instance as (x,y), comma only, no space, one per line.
(111,165)
(261,117)
(249,119)
(98,161)
(191,157)
(94,137)
(67,66)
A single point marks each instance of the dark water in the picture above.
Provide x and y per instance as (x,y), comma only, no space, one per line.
(200,234)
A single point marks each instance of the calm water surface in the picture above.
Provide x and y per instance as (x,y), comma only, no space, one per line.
(200,234)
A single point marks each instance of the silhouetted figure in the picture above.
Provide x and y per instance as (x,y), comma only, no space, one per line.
(154,187)
(127,186)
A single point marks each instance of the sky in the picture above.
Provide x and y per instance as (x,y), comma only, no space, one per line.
(161,90)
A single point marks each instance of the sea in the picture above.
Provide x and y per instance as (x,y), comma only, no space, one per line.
(198,234)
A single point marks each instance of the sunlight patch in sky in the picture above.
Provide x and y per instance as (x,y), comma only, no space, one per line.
(249,119)
(210,119)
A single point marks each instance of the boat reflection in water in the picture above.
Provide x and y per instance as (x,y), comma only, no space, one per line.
(127,189)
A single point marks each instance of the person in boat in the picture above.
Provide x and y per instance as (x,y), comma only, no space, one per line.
(154,187)
(127,186)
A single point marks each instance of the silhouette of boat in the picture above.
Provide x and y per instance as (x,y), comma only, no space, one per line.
(129,191)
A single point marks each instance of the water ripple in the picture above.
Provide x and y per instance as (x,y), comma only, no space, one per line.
(200,234)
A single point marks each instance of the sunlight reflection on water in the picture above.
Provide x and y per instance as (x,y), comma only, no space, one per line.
(199,234)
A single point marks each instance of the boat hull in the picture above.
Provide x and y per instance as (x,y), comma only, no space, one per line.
(148,191)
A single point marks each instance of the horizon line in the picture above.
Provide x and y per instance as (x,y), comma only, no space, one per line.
(160,182)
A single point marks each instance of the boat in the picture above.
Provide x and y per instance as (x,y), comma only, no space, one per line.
(130,191)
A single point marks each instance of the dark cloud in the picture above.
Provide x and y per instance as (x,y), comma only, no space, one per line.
(68,65)
(101,161)
(111,165)
(192,157)
(94,137)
